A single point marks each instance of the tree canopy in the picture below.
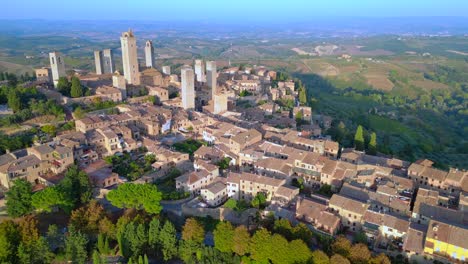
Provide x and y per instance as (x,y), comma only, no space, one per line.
(49,198)
(224,237)
(19,198)
(138,196)
(193,231)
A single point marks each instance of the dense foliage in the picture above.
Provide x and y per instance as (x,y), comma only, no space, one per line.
(130,165)
(427,124)
(72,191)
(138,196)
(188,146)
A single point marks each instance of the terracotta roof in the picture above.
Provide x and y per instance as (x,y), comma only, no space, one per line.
(246,137)
(43,149)
(348,204)
(396,223)
(287,191)
(23,163)
(447,233)
(373,217)
(249,177)
(215,187)
(274,164)
(414,241)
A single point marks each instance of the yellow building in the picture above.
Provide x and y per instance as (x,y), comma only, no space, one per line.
(446,240)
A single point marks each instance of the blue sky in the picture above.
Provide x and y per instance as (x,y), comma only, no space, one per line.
(229,10)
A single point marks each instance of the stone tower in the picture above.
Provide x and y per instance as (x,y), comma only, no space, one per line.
(57,66)
(220,103)
(98,61)
(187,87)
(118,81)
(199,71)
(211,76)
(108,61)
(129,58)
(149,54)
(166,70)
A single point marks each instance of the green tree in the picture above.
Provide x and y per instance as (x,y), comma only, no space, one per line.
(301,231)
(319,257)
(153,234)
(97,259)
(280,249)
(341,246)
(380,259)
(9,241)
(188,251)
(299,251)
(260,246)
(19,198)
(359,254)
(49,129)
(63,86)
(283,227)
(359,138)
(168,241)
(89,219)
(241,240)
(193,230)
(76,88)
(35,252)
(14,100)
(103,244)
(134,239)
(360,237)
(138,196)
(75,247)
(224,236)
(54,238)
(231,204)
(338,259)
(76,186)
(302,96)
(79,113)
(372,147)
(49,198)
(259,200)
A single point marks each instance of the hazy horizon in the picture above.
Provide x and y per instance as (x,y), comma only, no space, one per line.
(222,11)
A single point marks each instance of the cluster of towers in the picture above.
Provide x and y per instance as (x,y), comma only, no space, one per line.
(104,62)
(188,76)
(131,70)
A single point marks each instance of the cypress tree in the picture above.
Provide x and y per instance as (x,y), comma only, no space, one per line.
(372,148)
(76,89)
(303,96)
(359,138)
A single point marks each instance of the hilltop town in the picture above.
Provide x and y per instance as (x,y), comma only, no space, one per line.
(240,144)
